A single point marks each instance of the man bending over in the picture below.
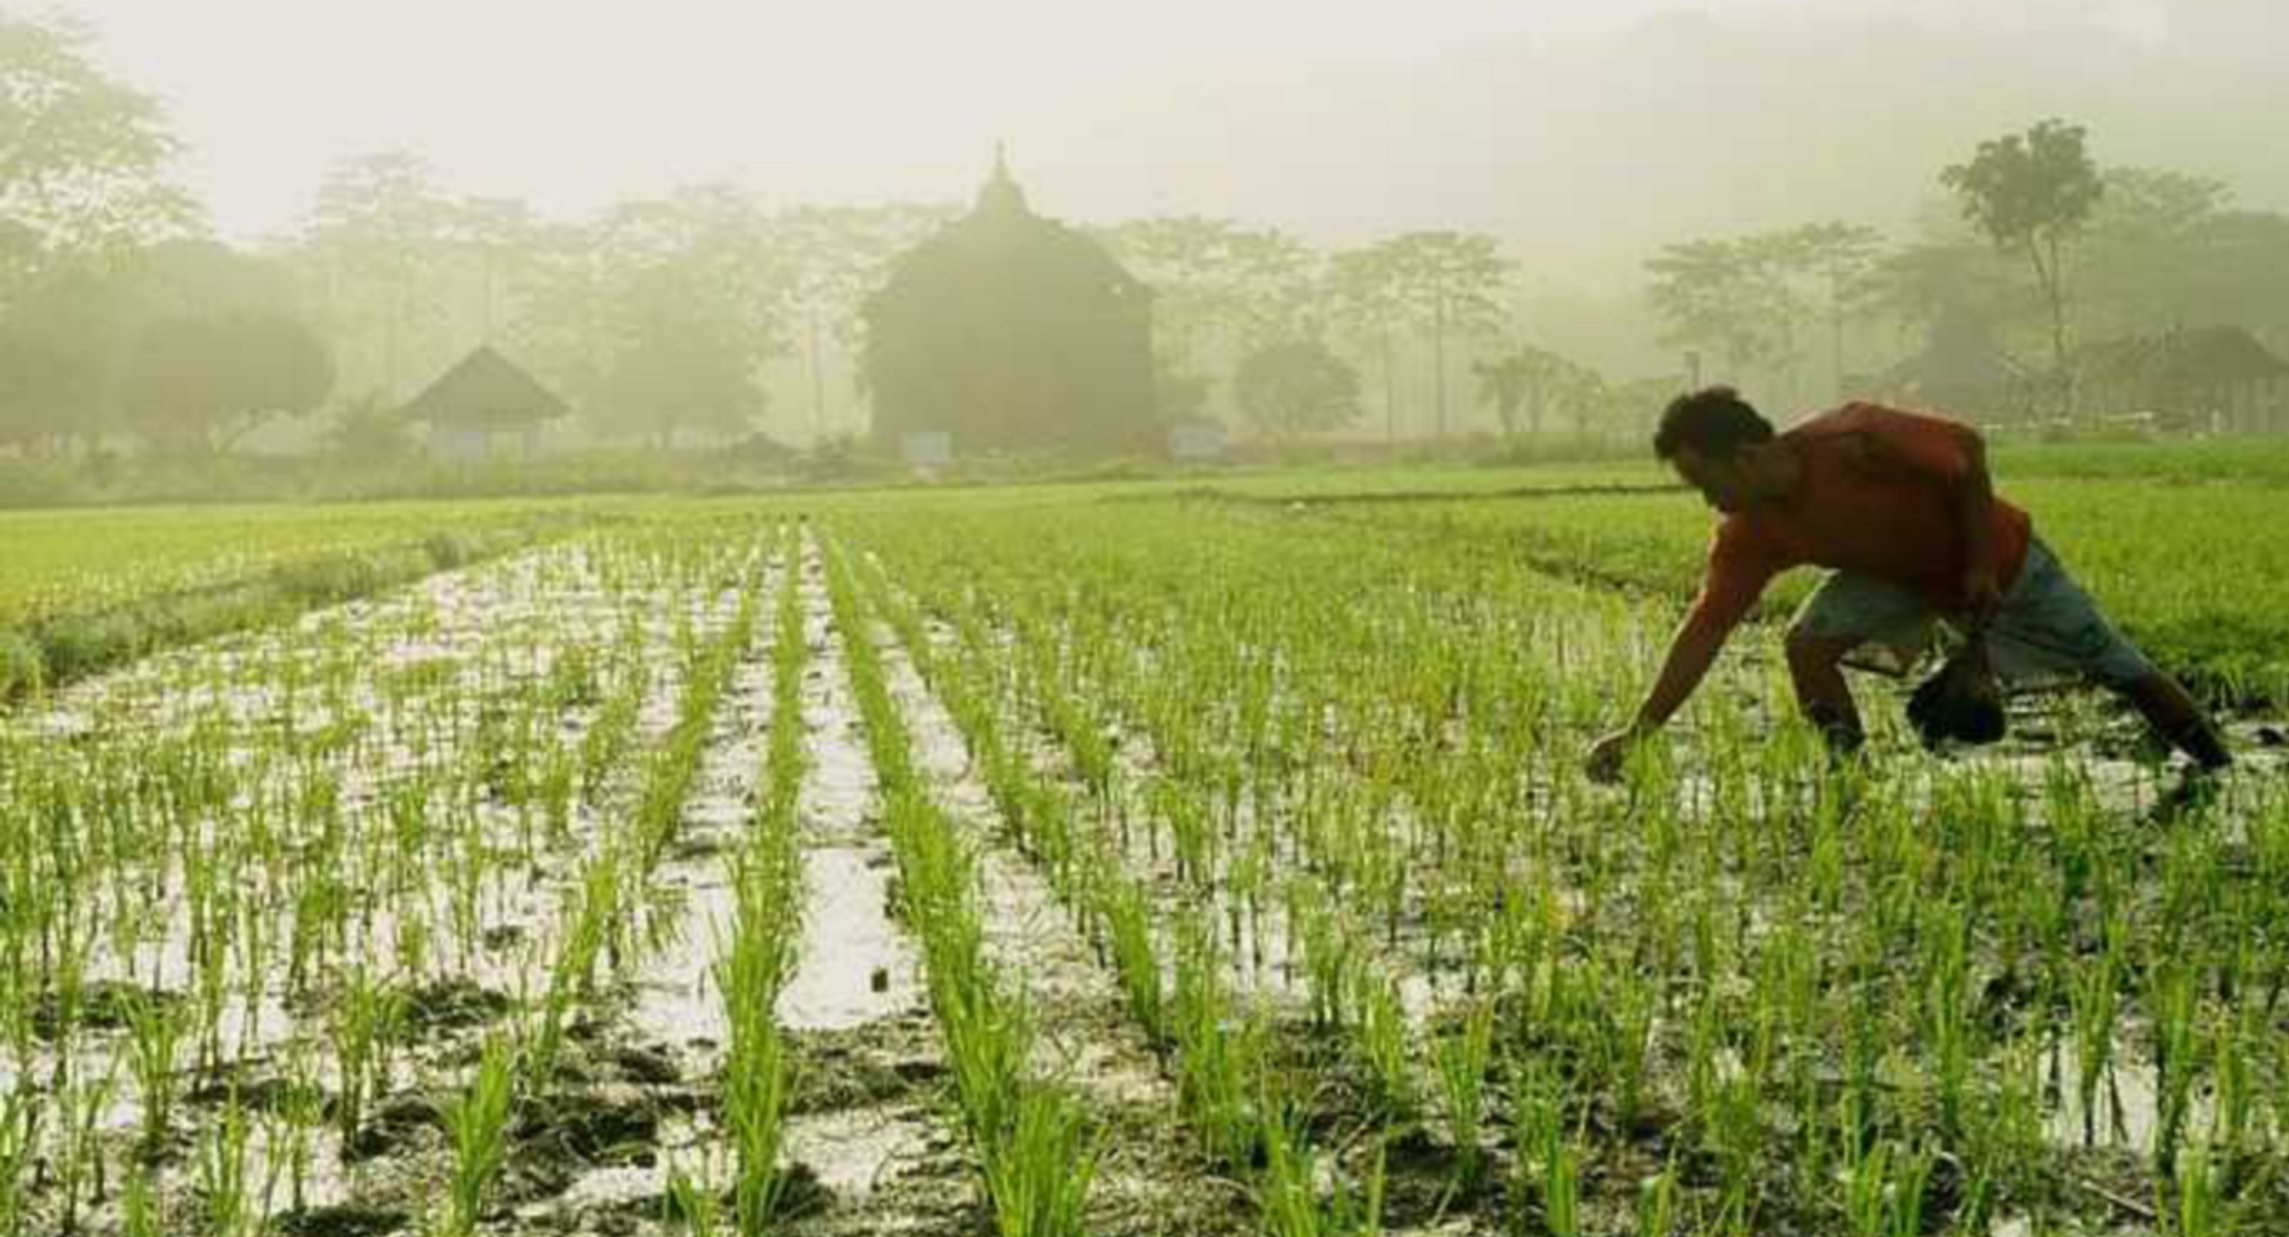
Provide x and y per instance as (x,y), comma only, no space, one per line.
(1899,507)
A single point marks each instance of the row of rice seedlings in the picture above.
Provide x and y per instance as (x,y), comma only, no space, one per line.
(597,912)
(1031,1136)
(512,1071)
(759,1067)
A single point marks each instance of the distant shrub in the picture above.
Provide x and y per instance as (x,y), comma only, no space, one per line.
(22,668)
(450,550)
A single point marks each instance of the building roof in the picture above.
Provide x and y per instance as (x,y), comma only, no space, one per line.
(2190,356)
(486,391)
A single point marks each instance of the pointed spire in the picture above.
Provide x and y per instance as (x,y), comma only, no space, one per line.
(1001,194)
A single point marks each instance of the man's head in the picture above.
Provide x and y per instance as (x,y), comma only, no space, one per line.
(1712,438)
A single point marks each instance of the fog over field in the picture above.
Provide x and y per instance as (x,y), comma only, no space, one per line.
(1583,132)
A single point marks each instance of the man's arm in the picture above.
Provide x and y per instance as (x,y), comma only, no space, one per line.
(1737,576)
(1691,652)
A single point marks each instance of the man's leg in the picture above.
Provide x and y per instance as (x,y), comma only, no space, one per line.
(1816,666)
(2172,712)
(1848,612)
(2049,623)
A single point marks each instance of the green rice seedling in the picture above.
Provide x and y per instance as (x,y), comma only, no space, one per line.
(1948,1016)
(2004,1146)
(1537,1125)
(78,1164)
(1135,960)
(477,1122)
(19,1149)
(1213,1062)
(1039,1177)
(1884,1190)
(1327,958)
(302,1110)
(587,915)
(1381,1042)
(154,1042)
(364,1025)
(2234,1116)
(758,1070)
(226,1192)
(1658,1208)
(689,1207)
(1464,1057)
(2177,1058)
(2202,1209)
(2096,997)
(1288,1191)
(1562,1189)
(142,1207)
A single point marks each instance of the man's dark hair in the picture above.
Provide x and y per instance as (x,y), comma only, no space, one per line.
(1714,422)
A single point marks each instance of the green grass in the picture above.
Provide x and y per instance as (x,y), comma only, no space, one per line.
(75,561)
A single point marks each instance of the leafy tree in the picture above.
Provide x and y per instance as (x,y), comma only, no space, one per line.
(198,383)
(1717,295)
(2031,193)
(84,322)
(671,381)
(683,314)
(370,431)
(1842,258)
(1220,290)
(1365,298)
(1296,388)
(830,259)
(82,157)
(504,244)
(1530,383)
(43,396)
(374,251)
(1750,299)
(1215,280)
(1447,284)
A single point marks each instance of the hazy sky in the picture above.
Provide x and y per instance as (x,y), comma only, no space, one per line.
(574,103)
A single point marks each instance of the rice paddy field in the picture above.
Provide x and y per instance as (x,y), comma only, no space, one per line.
(1204,857)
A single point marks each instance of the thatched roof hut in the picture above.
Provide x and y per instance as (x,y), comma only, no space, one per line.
(2211,377)
(485,407)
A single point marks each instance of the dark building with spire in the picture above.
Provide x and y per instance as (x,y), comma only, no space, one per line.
(1006,331)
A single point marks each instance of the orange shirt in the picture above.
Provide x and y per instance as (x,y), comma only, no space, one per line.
(1875,497)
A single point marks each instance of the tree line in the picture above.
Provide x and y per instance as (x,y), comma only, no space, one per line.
(2032,245)
(689,315)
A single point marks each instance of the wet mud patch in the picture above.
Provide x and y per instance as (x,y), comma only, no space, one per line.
(872,1127)
(855,963)
(342,1220)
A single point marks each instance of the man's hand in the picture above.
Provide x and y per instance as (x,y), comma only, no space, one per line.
(1608,754)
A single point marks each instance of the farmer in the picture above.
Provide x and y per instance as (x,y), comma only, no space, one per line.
(1900,508)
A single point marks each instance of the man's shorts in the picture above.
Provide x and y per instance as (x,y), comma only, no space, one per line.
(2046,628)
